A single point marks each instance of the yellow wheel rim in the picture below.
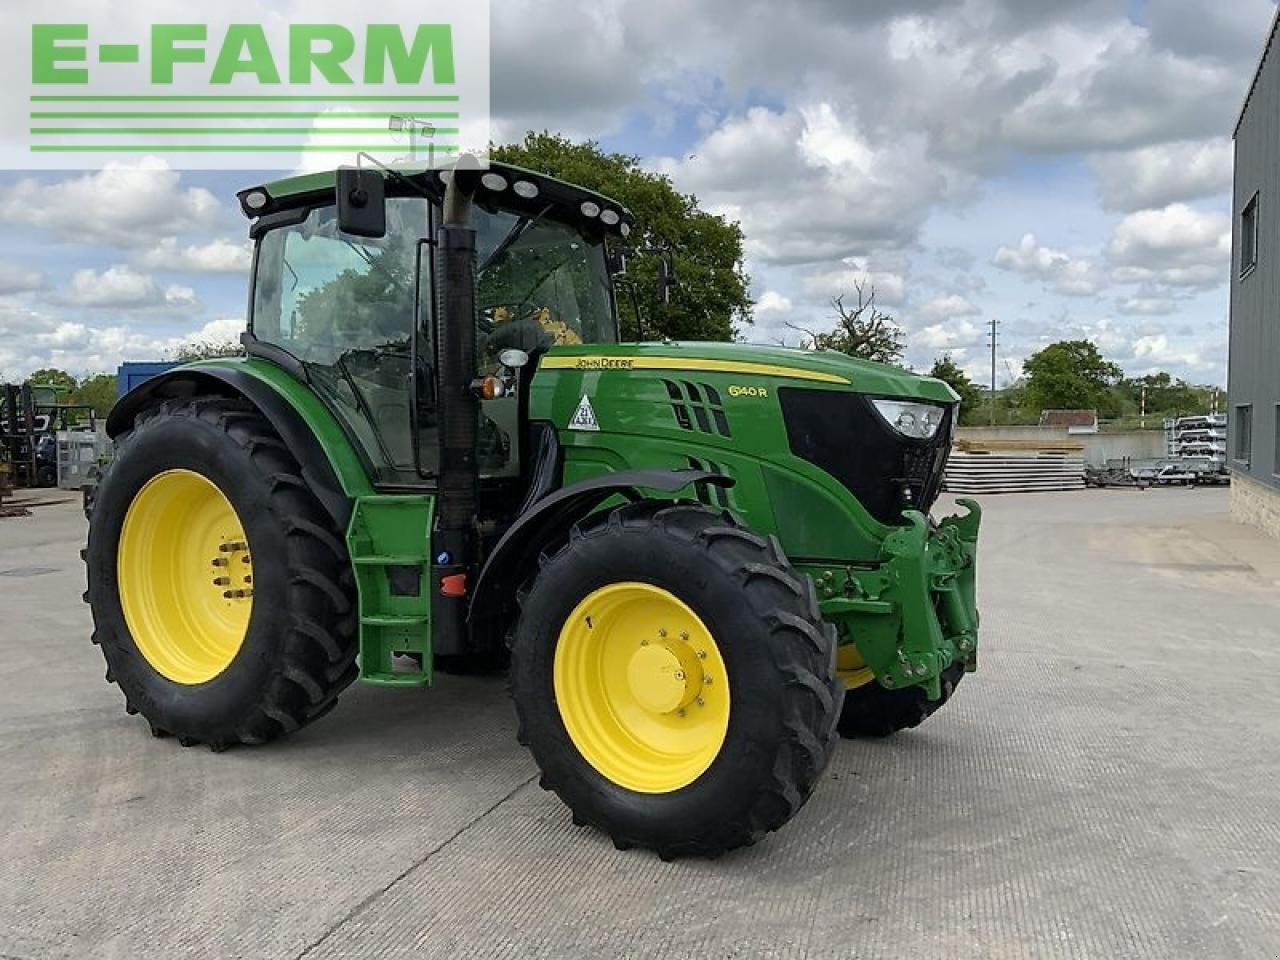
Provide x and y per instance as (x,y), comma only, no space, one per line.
(851,669)
(185,576)
(641,687)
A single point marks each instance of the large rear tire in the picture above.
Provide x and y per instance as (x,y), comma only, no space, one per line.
(674,680)
(221,592)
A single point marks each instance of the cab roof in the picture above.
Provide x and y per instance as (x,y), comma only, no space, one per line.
(309,188)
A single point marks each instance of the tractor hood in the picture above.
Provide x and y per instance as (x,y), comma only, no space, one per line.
(826,367)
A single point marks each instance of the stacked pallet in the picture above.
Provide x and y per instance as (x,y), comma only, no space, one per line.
(1015,466)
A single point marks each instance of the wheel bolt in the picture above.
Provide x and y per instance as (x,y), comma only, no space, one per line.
(701,702)
(680,712)
(221,581)
(706,679)
(702,654)
(679,674)
(219,561)
(684,636)
(662,632)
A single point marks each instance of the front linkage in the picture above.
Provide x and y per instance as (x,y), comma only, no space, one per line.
(914,613)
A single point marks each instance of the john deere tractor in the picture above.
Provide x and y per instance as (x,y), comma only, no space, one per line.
(702,561)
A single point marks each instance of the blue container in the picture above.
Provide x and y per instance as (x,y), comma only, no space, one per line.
(130,375)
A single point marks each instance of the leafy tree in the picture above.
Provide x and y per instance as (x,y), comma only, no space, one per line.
(1165,396)
(206,350)
(712,295)
(1069,375)
(53,377)
(98,392)
(863,331)
(945,369)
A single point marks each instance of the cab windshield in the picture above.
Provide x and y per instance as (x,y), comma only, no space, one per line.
(540,283)
(344,307)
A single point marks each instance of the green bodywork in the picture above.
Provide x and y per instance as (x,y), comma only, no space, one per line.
(902,594)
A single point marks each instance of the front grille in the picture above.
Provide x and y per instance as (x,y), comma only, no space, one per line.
(843,434)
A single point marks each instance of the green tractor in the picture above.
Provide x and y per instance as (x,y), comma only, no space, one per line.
(701,561)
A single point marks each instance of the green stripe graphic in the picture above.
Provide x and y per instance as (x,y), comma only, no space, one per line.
(267,98)
(224,115)
(226,148)
(236,131)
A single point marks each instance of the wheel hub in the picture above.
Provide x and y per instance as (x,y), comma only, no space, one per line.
(664,677)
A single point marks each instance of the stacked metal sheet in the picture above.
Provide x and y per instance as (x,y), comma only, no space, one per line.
(1012,466)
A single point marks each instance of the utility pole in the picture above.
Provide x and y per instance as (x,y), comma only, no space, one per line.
(993,336)
(1142,411)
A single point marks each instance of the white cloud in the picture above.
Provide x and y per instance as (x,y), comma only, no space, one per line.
(19,279)
(772,302)
(1059,271)
(950,306)
(216,256)
(1159,175)
(30,340)
(808,184)
(117,206)
(1174,246)
(955,338)
(123,287)
(890,286)
(1146,306)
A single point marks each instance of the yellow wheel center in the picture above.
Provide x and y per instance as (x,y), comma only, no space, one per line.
(185,576)
(641,687)
(657,681)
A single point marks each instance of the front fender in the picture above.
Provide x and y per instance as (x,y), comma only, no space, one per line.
(551,517)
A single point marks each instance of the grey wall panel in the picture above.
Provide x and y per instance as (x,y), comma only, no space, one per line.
(1254,362)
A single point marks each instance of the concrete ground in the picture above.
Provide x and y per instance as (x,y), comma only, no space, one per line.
(1107,785)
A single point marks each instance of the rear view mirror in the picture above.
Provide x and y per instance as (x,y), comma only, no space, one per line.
(362,202)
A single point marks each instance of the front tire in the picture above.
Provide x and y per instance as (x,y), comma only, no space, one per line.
(872,710)
(674,680)
(221,591)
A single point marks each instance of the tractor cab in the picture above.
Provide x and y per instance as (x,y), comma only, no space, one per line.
(356,314)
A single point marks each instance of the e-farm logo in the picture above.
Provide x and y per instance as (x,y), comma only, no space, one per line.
(255,95)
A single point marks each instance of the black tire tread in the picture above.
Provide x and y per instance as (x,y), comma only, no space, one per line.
(803,647)
(876,711)
(318,657)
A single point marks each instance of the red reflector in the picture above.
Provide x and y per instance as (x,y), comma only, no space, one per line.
(454,585)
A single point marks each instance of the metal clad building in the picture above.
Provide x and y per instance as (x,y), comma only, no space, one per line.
(1253,441)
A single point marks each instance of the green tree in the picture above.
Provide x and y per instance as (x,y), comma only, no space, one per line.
(712,296)
(206,350)
(1070,375)
(53,377)
(863,331)
(945,369)
(97,391)
(1165,396)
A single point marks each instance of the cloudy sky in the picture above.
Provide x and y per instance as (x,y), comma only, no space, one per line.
(1063,166)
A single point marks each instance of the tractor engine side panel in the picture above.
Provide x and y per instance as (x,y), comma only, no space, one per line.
(611,420)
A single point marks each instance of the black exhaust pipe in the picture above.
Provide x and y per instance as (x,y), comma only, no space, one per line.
(455,541)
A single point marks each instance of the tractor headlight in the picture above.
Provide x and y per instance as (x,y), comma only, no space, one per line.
(920,421)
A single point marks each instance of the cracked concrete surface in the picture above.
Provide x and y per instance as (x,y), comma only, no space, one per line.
(1107,785)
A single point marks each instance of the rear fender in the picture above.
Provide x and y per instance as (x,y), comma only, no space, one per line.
(295,431)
